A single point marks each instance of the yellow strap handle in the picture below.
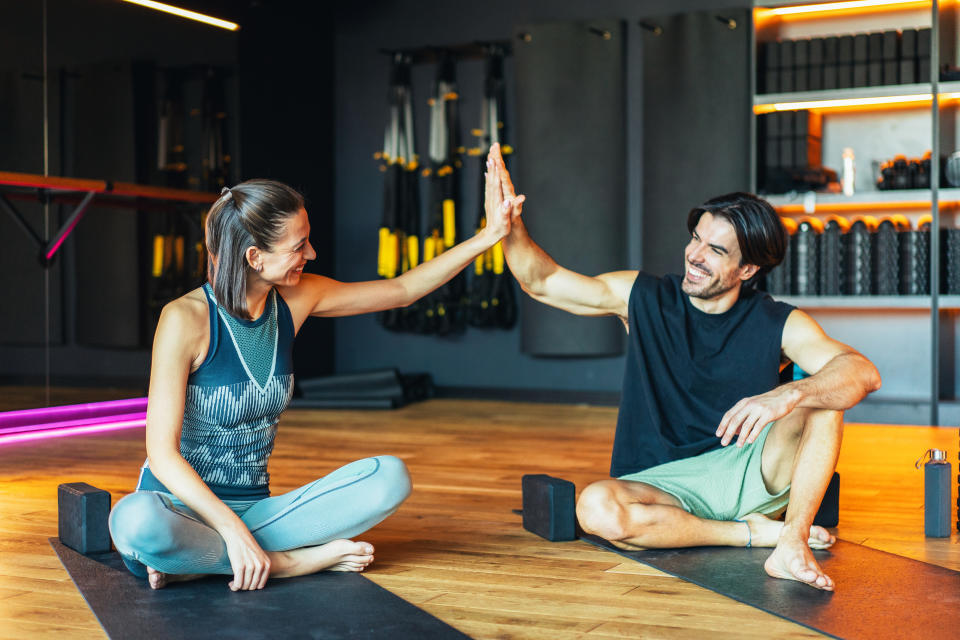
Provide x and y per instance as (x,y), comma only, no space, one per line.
(429,249)
(382,252)
(157,256)
(178,253)
(498,258)
(413,251)
(390,256)
(449,223)
(167,252)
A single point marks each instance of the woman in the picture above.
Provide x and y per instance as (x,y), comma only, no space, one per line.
(220,377)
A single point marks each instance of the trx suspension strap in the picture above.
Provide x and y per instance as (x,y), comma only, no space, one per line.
(399,228)
(492,301)
(442,309)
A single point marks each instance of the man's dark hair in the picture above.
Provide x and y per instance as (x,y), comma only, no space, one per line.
(760,232)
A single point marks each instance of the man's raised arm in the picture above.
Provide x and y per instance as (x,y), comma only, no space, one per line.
(538,274)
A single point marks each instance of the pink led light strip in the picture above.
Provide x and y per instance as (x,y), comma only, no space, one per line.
(53,422)
(71,431)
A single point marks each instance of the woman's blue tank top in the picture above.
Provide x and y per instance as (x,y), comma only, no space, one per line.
(234,400)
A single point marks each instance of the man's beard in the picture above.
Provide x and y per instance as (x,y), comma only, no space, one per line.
(706,290)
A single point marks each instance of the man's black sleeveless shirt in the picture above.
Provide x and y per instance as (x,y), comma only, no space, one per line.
(686,368)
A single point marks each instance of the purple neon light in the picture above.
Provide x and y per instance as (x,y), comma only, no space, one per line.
(66,424)
(25,417)
(71,431)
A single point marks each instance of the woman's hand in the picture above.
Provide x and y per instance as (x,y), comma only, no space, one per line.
(250,563)
(501,204)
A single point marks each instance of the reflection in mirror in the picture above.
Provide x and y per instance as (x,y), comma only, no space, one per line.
(118,93)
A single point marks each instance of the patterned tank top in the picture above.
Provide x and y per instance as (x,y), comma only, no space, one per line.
(234,400)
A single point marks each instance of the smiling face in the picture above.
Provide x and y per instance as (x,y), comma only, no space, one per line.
(712,259)
(283,265)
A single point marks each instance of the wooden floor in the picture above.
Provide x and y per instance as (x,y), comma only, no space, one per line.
(455,548)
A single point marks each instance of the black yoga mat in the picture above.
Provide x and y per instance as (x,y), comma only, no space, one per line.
(325,605)
(878,594)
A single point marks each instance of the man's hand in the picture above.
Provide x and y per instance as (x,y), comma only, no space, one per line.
(501,203)
(749,416)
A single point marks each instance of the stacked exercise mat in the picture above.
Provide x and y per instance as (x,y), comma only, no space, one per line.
(381,389)
(863,255)
(838,62)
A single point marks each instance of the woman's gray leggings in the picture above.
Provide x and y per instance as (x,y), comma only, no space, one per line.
(157,530)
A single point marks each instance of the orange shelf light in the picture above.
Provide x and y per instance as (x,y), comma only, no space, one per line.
(910,101)
(831,9)
(832,207)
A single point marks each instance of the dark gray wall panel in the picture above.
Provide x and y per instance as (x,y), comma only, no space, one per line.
(696,124)
(570,164)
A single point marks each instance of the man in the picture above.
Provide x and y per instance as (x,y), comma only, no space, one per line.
(705,350)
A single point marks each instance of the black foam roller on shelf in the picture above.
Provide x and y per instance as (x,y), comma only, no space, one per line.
(886,260)
(914,262)
(857,253)
(805,260)
(950,244)
(779,279)
(831,255)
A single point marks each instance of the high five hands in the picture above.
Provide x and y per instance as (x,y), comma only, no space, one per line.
(501,203)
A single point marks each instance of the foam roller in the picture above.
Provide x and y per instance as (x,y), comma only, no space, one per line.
(805,259)
(886,262)
(831,255)
(858,259)
(950,244)
(915,262)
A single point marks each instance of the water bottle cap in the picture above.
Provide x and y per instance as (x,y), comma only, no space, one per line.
(936,455)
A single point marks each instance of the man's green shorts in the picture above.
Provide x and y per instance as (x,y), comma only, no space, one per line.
(724,484)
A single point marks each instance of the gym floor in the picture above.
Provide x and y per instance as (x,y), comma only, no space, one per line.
(455,548)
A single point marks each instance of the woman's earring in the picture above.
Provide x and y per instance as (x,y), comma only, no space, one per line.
(259,268)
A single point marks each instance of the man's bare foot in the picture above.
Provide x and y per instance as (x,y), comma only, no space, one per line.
(338,555)
(793,560)
(766,533)
(158,579)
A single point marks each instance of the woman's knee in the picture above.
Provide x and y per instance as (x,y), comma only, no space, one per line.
(138,523)
(392,482)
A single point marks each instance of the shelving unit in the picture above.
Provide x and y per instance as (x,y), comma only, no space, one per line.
(911,338)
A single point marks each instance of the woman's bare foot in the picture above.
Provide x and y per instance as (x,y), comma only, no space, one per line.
(158,579)
(766,533)
(338,555)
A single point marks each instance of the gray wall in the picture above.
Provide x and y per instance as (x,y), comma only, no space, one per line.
(477,358)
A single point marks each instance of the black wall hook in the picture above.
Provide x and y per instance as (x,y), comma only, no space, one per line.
(652,28)
(730,22)
(603,33)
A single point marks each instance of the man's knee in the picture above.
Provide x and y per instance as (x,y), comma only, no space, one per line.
(600,511)
(803,420)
